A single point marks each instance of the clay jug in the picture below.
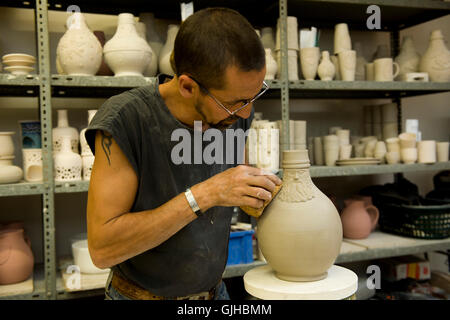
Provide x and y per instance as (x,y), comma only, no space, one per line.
(359,218)
(16,257)
(300,232)
(126,53)
(436,60)
(326,69)
(408,58)
(271,65)
(164,57)
(63,129)
(79,52)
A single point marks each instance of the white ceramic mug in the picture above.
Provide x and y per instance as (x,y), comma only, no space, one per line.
(383,69)
(426,150)
(442,151)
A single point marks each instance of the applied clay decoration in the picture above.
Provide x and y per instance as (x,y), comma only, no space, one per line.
(300,232)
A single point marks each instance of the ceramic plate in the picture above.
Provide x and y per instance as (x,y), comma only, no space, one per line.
(357,163)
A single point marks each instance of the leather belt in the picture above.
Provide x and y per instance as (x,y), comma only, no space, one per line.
(135,292)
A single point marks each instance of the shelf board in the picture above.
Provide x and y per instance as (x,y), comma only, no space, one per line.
(327,171)
(398,14)
(377,246)
(72,186)
(21,188)
(363,89)
(19,85)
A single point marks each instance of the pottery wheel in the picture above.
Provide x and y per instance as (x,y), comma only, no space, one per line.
(340,283)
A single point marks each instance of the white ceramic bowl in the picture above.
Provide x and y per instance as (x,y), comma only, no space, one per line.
(407,140)
(18,56)
(19,62)
(82,258)
(19,70)
(409,155)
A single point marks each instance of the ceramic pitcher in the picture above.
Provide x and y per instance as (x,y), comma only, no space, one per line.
(16,257)
(299,233)
(359,218)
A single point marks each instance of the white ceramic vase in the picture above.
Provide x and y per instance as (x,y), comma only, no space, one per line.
(6,144)
(88,162)
(309,59)
(10,174)
(408,58)
(85,149)
(156,32)
(166,51)
(152,67)
(342,41)
(300,232)
(126,53)
(436,60)
(271,65)
(79,52)
(326,69)
(67,164)
(63,129)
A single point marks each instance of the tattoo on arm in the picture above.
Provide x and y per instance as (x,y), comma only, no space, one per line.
(106,144)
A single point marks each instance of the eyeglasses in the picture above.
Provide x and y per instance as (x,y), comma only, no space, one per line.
(240,107)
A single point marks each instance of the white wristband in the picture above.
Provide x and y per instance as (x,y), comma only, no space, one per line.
(192,203)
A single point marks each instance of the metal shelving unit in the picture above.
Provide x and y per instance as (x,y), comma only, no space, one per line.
(397,15)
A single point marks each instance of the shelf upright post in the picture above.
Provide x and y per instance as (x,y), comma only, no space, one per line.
(284,74)
(395,49)
(45,109)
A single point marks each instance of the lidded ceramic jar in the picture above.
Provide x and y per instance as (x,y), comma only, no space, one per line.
(436,60)
(16,257)
(126,53)
(79,52)
(300,232)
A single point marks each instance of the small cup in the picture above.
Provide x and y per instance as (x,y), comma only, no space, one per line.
(384,69)
(309,60)
(426,151)
(407,140)
(347,64)
(442,151)
(370,72)
(345,152)
(331,156)
(392,157)
(409,155)
(393,145)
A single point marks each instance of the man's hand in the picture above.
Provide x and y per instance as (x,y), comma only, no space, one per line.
(240,186)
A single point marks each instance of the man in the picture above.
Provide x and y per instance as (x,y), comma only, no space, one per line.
(162,226)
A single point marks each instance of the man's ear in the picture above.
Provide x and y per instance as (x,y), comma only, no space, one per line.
(187,86)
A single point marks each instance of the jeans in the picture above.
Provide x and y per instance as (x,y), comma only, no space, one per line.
(112,294)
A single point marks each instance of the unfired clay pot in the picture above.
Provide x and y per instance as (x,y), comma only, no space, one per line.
(300,232)
(79,52)
(359,218)
(436,60)
(16,257)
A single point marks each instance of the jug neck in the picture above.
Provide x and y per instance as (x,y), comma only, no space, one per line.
(63,121)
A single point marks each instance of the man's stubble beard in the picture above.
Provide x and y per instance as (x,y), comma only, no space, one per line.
(221,125)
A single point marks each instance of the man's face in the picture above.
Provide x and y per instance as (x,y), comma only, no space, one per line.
(239,87)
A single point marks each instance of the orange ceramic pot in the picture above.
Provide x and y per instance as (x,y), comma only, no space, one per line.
(359,218)
(16,257)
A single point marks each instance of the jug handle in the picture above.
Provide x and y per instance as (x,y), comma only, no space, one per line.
(27,240)
(4,255)
(374,214)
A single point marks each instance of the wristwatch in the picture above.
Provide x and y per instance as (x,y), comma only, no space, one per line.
(192,203)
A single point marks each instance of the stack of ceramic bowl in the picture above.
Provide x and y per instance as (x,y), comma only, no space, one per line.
(8,172)
(393,150)
(293,48)
(389,120)
(345,148)
(19,63)
(408,150)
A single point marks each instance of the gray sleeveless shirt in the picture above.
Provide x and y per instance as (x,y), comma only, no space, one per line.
(193,259)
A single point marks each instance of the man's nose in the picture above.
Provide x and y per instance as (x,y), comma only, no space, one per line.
(245,112)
